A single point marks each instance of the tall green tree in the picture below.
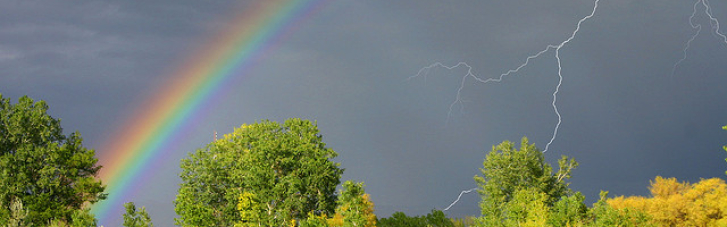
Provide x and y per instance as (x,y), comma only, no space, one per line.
(136,218)
(513,180)
(287,168)
(51,173)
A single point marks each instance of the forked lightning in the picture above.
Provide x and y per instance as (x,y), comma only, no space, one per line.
(714,28)
(470,74)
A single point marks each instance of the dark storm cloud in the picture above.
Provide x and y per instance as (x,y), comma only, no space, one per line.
(626,119)
(95,57)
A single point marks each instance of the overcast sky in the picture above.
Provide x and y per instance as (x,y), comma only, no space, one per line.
(625,117)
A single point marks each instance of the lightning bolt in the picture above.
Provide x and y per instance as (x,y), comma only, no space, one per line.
(459,197)
(713,22)
(560,74)
(458,99)
(689,42)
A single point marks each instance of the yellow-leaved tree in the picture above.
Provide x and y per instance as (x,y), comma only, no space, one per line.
(675,203)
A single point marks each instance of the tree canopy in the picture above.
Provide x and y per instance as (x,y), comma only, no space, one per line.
(284,172)
(518,188)
(354,209)
(514,182)
(271,174)
(51,174)
(674,203)
(136,218)
(435,218)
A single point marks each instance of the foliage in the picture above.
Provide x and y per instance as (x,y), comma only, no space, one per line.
(515,181)
(51,173)
(134,218)
(79,218)
(527,208)
(602,214)
(436,218)
(676,203)
(518,189)
(568,211)
(17,214)
(354,207)
(399,219)
(316,221)
(250,210)
(464,222)
(287,169)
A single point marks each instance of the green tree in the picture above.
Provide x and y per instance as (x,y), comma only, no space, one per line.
(79,218)
(508,171)
(400,219)
(136,218)
(354,207)
(286,167)
(568,211)
(435,218)
(51,173)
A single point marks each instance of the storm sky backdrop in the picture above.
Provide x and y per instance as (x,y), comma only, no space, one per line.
(625,117)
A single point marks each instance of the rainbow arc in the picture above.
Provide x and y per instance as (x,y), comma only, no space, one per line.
(153,128)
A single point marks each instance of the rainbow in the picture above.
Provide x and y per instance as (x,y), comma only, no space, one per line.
(155,124)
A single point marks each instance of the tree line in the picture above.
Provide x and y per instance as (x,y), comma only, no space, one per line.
(283,174)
